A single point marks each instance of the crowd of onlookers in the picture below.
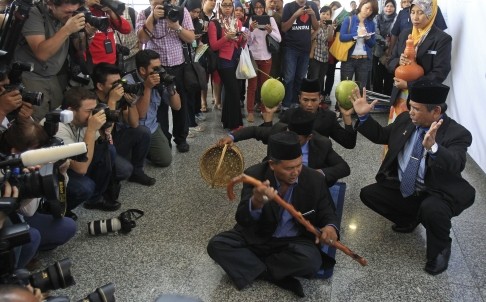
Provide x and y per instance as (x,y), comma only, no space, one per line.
(121,73)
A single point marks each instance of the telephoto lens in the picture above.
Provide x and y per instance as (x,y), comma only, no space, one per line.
(105,293)
(123,223)
(53,277)
(104,226)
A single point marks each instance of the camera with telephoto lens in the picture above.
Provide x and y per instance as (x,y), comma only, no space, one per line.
(136,88)
(172,12)
(101,23)
(33,97)
(55,276)
(123,223)
(112,116)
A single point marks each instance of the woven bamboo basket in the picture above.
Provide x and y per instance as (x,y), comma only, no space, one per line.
(219,164)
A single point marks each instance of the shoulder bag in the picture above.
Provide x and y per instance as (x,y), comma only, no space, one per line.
(339,49)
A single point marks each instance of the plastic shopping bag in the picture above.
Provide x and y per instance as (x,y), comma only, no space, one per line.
(245,68)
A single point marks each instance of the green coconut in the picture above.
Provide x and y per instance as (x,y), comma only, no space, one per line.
(272,93)
(343,91)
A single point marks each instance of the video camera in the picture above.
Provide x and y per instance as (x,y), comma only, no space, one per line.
(101,23)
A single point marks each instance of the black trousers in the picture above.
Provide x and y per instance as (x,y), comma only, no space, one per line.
(180,123)
(433,212)
(280,257)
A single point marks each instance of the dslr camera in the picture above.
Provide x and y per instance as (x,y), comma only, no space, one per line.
(166,79)
(123,223)
(136,88)
(172,12)
(15,77)
(112,116)
(101,23)
(116,6)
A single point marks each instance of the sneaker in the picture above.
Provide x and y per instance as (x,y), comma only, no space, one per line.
(103,205)
(200,117)
(183,147)
(142,178)
(191,134)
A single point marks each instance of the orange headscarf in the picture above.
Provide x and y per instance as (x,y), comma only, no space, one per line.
(429,7)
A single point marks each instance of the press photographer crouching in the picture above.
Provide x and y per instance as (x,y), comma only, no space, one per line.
(46,36)
(132,140)
(46,231)
(158,88)
(11,101)
(90,181)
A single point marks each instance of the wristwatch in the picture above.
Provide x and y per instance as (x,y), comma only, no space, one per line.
(433,149)
(179,30)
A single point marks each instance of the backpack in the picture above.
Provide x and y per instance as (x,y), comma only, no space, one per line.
(210,58)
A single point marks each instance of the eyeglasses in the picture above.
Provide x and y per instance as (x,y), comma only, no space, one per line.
(226,5)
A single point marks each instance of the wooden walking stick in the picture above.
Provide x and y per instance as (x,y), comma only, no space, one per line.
(296,214)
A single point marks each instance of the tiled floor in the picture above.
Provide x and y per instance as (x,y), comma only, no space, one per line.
(166,252)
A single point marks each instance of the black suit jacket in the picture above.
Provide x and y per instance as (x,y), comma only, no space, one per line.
(443,170)
(326,124)
(321,154)
(311,193)
(434,55)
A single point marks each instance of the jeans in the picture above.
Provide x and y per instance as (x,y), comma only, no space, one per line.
(317,70)
(46,233)
(294,70)
(93,184)
(133,145)
(359,68)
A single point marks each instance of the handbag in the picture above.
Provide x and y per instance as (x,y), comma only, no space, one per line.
(339,49)
(272,45)
(194,73)
(245,69)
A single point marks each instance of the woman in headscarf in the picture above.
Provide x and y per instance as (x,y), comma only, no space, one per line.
(433,52)
(382,79)
(227,42)
(259,50)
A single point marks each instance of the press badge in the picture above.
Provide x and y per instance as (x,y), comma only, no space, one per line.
(108,46)
(431,52)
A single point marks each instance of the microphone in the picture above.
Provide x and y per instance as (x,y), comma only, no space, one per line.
(46,155)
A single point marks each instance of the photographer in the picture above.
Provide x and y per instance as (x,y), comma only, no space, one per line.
(102,45)
(45,42)
(11,101)
(46,231)
(88,180)
(164,28)
(132,140)
(147,62)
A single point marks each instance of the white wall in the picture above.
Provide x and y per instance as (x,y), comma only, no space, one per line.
(467,101)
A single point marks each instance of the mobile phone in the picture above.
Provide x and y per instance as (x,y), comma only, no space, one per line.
(328,22)
(238,33)
(306,6)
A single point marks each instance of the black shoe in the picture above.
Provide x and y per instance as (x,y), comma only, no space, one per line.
(71,215)
(291,284)
(439,263)
(142,179)
(409,228)
(183,147)
(103,205)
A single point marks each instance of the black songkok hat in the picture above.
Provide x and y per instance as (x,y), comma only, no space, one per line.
(284,146)
(428,92)
(302,122)
(310,85)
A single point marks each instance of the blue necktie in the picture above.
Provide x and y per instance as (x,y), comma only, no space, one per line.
(409,177)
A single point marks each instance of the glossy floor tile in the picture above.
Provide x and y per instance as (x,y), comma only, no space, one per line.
(166,252)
